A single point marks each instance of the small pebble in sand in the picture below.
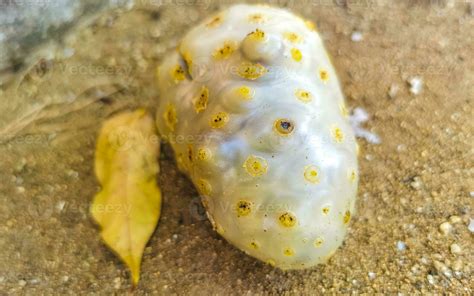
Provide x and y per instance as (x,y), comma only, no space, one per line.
(440,267)
(445,228)
(401,246)
(455,219)
(357,118)
(393,91)
(357,36)
(416,85)
(22,283)
(60,205)
(20,189)
(20,165)
(417,184)
(371,275)
(471,225)
(73,174)
(455,249)
(471,193)
(430,279)
(117,283)
(402,148)
(457,265)
(19,180)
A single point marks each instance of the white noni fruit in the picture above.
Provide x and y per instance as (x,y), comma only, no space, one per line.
(254,112)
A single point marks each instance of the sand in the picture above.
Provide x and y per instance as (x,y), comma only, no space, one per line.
(418,178)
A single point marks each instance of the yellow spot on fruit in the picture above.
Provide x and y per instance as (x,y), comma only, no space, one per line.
(292,37)
(225,51)
(288,252)
(200,103)
(353,176)
(178,74)
(219,120)
(311,174)
(337,134)
(245,92)
(251,71)
(303,95)
(324,75)
(257,18)
(257,35)
(326,210)
(347,217)
(310,25)
(215,22)
(284,127)
(170,117)
(318,242)
(204,154)
(243,208)
(254,245)
(204,187)
(255,166)
(287,219)
(296,54)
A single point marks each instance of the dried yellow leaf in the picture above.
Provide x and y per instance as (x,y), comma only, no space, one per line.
(128,207)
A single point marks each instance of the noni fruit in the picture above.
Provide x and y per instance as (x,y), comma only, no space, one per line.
(253,109)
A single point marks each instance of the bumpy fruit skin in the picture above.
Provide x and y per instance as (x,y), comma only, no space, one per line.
(254,112)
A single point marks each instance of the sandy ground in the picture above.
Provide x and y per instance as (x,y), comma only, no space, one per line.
(419,177)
